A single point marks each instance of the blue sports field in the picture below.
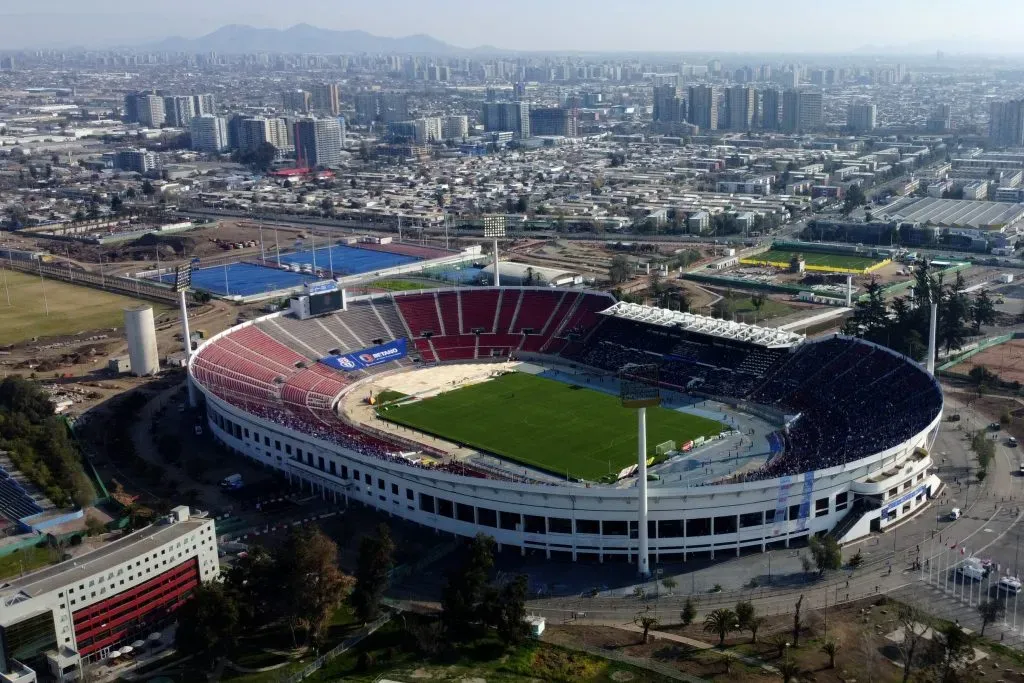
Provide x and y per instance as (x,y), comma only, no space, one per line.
(248,279)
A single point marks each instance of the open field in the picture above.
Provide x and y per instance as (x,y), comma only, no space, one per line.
(843,261)
(72,309)
(547,424)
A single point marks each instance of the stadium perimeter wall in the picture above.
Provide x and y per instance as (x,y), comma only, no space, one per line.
(586,522)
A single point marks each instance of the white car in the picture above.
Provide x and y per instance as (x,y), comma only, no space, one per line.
(955,514)
(1010,584)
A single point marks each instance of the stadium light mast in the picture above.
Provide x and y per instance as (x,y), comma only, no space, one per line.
(494,228)
(932,325)
(182,282)
(638,388)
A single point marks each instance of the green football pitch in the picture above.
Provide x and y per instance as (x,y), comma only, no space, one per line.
(547,424)
(813,258)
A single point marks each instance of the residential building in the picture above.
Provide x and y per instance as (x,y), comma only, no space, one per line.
(802,111)
(137,160)
(255,131)
(861,117)
(668,108)
(507,116)
(209,134)
(419,131)
(151,111)
(366,107)
(455,127)
(702,106)
(771,108)
(554,121)
(393,107)
(740,107)
(7,63)
(179,110)
(204,104)
(296,100)
(940,120)
(318,142)
(325,98)
(57,618)
(1006,123)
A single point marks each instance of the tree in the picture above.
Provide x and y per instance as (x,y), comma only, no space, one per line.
(721,621)
(620,269)
(253,580)
(854,198)
(983,311)
(796,621)
(789,669)
(462,599)
(147,188)
(754,625)
(312,585)
(646,621)
(507,610)
(830,647)
(656,284)
(989,611)
(744,613)
(826,553)
(910,620)
(130,193)
(689,612)
(376,558)
(669,583)
(116,203)
(94,526)
(758,301)
(208,624)
(952,649)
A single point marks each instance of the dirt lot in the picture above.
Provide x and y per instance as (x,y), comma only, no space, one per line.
(1005,360)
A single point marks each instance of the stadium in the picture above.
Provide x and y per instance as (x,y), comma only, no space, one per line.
(497,410)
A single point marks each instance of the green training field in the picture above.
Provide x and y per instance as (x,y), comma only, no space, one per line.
(813,258)
(547,424)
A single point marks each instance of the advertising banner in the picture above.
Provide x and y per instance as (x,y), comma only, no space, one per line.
(367,358)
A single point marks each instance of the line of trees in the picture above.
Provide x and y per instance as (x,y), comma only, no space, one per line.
(38,443)
(297,587)
(902,324)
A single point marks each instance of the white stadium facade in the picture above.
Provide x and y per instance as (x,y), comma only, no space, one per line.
(852,423)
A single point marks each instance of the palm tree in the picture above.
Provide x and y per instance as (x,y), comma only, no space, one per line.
(830,647)
(753,626)
(722,622)
(789,669)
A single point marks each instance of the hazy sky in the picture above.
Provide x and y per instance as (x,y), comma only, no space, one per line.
(605,25)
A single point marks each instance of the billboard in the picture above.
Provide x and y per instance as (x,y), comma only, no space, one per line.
(327,302)
(321,287)
(367,358)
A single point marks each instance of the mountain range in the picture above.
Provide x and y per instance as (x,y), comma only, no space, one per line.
(302,38)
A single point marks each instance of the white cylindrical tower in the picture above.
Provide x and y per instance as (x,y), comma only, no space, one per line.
(141,333)
(849,291)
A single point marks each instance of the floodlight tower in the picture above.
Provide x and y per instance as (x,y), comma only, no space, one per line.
(182,282)
(494,227)
(933,323)
(638,388)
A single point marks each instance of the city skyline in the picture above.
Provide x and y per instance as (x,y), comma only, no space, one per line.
(562,25)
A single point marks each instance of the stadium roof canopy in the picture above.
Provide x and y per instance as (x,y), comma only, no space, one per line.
(724,329)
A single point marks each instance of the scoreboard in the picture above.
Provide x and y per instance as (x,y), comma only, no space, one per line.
(328,302)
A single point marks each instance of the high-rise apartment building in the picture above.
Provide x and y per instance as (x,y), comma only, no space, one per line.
(554,121)
(296,100)
(366,107)
(740,107)
(703,106)
(507,116)
(325,98)
(255,131)
(455,127)
(861,117)
(1006,123)
(209,134)
(393,107)
(802,111)
(179,110)
(150,110)
(668,108)
(318,142)
(771,108)
(204,104)
(940,120)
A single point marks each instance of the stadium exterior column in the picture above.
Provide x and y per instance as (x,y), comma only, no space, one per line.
(547,544)
(643,552)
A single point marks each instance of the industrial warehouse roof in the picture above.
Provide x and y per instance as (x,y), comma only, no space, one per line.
(955,213)
(724,329)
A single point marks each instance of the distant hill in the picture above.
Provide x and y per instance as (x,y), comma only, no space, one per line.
(238,39)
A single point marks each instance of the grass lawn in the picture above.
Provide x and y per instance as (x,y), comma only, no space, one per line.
(389,396)
(818,259)
(72,309)
(391,655)
(24,560)
(547,424)
(742,305)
